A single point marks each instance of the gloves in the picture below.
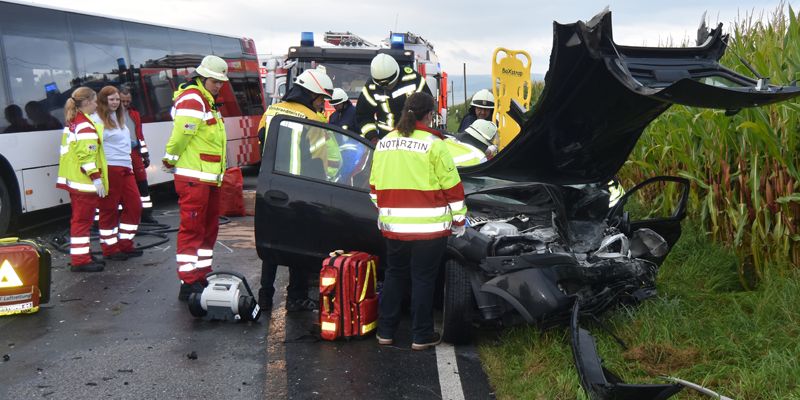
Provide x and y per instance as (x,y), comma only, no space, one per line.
(98,185)
(458,230)
(491,151)
(167,167)
(146,160)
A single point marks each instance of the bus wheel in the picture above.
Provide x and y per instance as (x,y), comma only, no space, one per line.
(458,304)
(5,208)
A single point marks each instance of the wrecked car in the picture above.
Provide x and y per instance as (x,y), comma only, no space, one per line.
(542,240)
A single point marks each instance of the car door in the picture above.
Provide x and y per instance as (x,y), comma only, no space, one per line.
(304,208)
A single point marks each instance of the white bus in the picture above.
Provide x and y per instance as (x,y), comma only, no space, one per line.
(46,53)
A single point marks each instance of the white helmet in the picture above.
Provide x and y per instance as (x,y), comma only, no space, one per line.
(483,99)
(339,97)
(384,70)
(213,67)
(482,130)
(315,81)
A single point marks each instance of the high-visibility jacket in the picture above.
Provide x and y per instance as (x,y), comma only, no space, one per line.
(82,158)
(197,145)
(416,186)
(321,145)
(464,154)
(378,108)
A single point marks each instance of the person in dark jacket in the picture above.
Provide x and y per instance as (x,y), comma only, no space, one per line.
(381,101)
(481,107)
(345,114)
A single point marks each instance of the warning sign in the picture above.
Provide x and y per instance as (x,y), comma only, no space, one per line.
(9,277)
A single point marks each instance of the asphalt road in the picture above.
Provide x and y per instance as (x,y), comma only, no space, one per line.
(123,334)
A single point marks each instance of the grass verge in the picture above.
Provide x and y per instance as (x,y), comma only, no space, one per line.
(702,327)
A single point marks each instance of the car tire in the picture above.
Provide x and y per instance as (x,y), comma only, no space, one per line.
(5,208)
(458,304)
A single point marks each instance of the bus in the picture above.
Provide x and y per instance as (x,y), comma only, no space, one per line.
(46,53)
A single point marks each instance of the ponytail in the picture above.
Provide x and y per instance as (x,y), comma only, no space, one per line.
(75,101)
(415,109)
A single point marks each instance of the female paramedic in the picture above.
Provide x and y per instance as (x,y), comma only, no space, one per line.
(82,172)
(420,201)
(117,230)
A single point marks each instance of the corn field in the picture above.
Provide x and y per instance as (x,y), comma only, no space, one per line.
(744,168)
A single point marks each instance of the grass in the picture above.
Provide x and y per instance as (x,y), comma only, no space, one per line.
(702,327)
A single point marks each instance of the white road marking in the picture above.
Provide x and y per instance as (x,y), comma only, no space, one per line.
(449,378)
(223,245)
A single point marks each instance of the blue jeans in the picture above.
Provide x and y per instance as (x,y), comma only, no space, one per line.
(418,260)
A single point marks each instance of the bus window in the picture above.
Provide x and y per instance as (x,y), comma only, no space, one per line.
(100,52)
(146,43)
(185,42)
(38,62)
(226,47)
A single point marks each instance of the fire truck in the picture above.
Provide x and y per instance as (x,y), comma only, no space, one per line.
(346,58)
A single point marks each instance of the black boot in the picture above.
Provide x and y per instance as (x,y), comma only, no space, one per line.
(90,267)
(147,216)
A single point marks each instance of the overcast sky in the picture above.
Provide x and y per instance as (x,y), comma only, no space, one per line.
(463,31)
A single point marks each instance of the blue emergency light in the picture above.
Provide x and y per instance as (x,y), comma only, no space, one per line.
(307,39)
(51,87)
(398,41)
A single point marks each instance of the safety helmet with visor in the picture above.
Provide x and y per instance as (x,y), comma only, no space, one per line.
(384,70)
(339,96)
(483,131)
(316,81)
(213,67)
(483,99)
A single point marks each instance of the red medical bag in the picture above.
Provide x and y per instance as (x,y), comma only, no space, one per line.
(24,276)
(231,200)
(348,304)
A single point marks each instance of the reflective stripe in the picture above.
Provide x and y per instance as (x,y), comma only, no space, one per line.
(86,136)
(64,150)
(457,205)
(197,174)
(414,228)
(128,227)
(147,204)
(126,236)
(185,112)
(84,187)
(89,166)
(143,150)
(409,77)
(385,107)
(191,96)
(144,198)
(205,253)
(141,143)
(79,250)
(83,125)
(186,268)
(203,263)
(413,212)
(369,327)
(294,161)
(317,145)
(109,242)
(368,97)
(405,90)
(458,218)
(463,158)
(421,85)
(182,258)
(327,281)
(328,326)
(106,232)
(171,157)
(367,128)
(79,240)
(374,196)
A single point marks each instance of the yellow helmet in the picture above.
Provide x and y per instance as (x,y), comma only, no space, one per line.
(213,67)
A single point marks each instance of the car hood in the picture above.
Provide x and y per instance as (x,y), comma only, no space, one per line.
(599,97)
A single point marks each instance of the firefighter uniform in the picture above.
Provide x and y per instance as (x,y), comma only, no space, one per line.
(82,160)
(419,196)
(196,149)
(378,107)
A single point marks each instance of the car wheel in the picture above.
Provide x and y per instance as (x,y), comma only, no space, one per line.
(5,208)
(458,304)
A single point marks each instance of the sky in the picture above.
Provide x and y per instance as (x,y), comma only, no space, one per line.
(463,31)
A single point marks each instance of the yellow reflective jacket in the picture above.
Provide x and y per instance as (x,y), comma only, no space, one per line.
(82,158)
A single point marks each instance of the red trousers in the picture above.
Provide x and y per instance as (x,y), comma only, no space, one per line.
(199,207)
(118,230)
(83,205)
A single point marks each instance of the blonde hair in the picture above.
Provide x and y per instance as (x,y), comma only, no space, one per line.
(76,100)
(104,112)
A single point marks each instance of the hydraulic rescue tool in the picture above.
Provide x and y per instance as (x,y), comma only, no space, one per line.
(227,297)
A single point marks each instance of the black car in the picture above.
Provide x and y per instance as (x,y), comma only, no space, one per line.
(542,235)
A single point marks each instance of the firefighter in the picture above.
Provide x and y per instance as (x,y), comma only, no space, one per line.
(384,97)
(305,99)
(344,115)
(140,157)
(464,154)
(117,230)
(195,153)
(420,201)
(83,173)
(481,134)
(481,107)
